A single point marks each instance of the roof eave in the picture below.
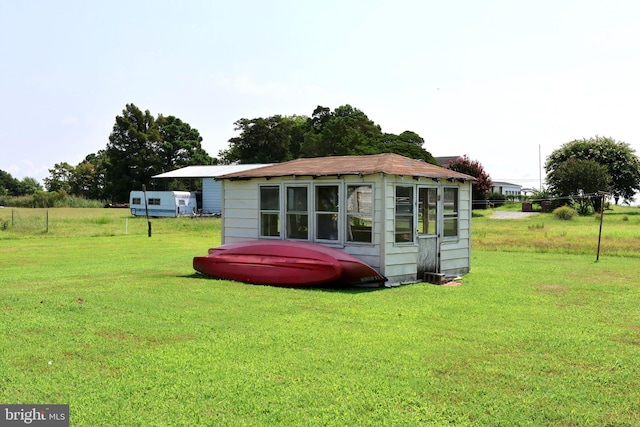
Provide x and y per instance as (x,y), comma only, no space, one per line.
(236,177)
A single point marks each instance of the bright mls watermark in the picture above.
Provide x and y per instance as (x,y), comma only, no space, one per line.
(34,415)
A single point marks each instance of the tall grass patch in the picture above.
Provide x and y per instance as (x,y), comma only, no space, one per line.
(544,232)
(67,222)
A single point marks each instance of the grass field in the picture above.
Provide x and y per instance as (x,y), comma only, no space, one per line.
(96,314)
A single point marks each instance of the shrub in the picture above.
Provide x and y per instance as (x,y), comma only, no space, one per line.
(497,199)
(51,199)
(565,212)
(483,183)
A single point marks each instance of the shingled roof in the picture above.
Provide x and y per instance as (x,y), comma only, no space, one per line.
(388,163)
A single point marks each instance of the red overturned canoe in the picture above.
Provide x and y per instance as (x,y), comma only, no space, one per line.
(285,263)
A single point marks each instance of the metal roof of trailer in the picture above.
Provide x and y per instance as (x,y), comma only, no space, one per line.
(207,171)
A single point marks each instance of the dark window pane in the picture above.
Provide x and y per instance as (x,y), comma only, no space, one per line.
(269,198)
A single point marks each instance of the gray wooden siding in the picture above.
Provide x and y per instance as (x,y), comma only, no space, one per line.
(456,254)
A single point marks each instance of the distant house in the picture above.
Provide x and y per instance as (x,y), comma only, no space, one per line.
(446,161)
(210,199)
(405,218)
(506,188)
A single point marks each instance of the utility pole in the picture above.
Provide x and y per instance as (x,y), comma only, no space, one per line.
(540,164)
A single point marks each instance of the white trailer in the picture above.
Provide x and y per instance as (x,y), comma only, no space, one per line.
(163,203)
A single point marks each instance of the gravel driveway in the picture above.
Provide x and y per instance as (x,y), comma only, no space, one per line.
(511,214)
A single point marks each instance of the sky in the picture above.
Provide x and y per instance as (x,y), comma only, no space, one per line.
(505,82)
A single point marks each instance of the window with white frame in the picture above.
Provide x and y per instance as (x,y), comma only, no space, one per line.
(359,213)
(404,214)
(297,213)
(270,211)
(326,212)
(450,212)
(427,211)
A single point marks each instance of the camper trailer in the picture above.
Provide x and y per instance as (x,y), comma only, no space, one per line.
(162,203)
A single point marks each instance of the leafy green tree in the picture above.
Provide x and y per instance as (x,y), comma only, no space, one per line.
(87,182)
(28,185)
(8,184)
(132,154)
(271,140)
(345,131)
(483,182)
(580,180)
(141,146)
(96,184)
(14,187)
(299,127)
(320,116)
(180,145)
(412,138)
(408,144)
(618,157)
(60,178)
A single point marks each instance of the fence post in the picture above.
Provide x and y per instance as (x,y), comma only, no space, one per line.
(601,218)
(146,209)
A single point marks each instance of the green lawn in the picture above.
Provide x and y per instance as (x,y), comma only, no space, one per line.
(544,233)
(97,315)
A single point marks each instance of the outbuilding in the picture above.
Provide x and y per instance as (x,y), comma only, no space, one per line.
(408,219)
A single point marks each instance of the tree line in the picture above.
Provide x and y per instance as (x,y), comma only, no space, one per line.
(344,131)
(141,146)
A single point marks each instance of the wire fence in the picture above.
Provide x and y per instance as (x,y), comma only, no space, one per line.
(30,221)
(546,204)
